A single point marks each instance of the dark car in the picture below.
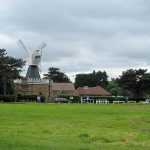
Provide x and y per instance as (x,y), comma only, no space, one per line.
(147,101)
(61,100)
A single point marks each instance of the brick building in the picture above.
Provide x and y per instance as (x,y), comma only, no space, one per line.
(43,86)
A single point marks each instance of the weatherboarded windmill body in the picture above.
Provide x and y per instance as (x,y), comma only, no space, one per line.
(33,60)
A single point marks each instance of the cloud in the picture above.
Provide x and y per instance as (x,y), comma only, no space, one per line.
(82,35)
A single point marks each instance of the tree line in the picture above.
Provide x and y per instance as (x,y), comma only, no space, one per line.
(10,69)
(132,82)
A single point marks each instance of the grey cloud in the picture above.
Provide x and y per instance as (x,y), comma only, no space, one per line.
(82,35)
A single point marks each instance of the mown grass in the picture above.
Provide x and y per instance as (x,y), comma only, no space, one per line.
(74,126)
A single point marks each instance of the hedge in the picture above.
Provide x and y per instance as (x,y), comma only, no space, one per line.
(71,98)
(137,99)
(29,98)
(109,98)
(77,98)
(7,98)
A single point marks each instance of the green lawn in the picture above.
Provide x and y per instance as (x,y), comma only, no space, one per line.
(74,126)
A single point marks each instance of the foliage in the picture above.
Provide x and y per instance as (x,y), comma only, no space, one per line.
(11,66)
(56,75)
(92,79)
(113,88)
(116,90)
(7,98)
(136,81)
(29,98)
(10,69)
(109,98)
(73,98)
(77,98)
(136,99)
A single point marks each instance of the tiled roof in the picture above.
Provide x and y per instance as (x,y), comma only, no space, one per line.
(63,87)
(92,91)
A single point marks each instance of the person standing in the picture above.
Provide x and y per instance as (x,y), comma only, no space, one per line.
(38,99)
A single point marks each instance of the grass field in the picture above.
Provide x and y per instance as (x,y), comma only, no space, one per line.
(74,127)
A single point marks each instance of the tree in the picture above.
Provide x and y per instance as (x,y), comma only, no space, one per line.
(113,88)
(10,69)
(116,90)
(82,80)
(92,79)
(136,81)
(56,75)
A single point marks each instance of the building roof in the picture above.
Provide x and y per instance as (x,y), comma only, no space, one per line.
(99,91)
(63,87)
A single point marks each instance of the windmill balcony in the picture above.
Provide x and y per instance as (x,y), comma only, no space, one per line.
(32,81)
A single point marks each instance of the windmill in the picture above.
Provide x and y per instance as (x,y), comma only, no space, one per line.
(33,60)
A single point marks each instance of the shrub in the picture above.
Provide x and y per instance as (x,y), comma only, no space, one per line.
(29,98)
(109,98)
(77,98)
(72,98)
(136,99)
(8,98)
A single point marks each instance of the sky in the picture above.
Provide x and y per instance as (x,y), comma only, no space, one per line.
(81,35)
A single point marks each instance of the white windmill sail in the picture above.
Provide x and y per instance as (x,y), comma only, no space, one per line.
(33,60)
(21,45)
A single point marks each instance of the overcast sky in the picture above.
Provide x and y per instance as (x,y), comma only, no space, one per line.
(81,35)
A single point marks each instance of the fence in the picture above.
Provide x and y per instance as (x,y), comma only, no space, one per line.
(102,101)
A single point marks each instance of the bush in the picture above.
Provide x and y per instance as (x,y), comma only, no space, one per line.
(71,98)
(109,98)
(29,98)
(77,98)
(7,98)
(136,99)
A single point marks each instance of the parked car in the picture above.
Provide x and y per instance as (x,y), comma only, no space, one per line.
(61,100)
(147,101)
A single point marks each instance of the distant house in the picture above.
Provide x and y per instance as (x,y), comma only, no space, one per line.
(42,86)
(64,88)
(92,91)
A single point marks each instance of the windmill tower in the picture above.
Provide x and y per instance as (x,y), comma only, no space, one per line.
(33,60)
